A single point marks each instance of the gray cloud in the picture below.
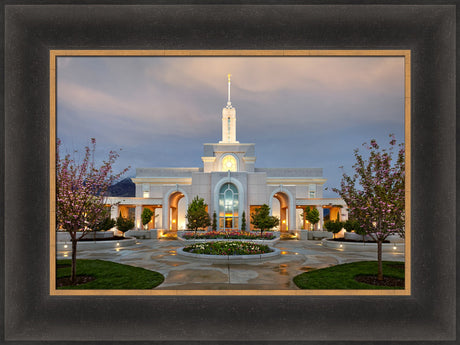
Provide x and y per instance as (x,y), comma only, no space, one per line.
(299,111)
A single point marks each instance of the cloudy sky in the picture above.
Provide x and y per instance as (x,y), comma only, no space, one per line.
(299,111)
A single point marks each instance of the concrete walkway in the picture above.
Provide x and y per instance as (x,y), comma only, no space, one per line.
(192,274)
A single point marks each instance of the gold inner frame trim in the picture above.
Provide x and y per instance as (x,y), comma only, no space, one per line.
(233,53)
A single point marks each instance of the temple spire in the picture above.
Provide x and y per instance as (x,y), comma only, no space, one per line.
(229,119)
(229,103)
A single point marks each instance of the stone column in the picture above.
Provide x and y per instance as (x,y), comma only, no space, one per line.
(165,217)
(138,222)
(321,216)
(114,211)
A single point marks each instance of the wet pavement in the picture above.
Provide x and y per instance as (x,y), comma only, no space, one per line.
(183,273)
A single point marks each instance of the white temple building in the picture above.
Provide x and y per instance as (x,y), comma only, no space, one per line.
(231,184)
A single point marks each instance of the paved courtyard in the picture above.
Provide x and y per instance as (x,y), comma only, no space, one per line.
(194,274)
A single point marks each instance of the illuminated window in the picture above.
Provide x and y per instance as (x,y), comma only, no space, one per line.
(228,207)
(146,194)
(229,163)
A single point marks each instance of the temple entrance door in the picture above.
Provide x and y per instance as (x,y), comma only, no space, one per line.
(228,207)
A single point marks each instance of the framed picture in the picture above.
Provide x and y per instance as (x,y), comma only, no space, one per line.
(161,79)
(37,36)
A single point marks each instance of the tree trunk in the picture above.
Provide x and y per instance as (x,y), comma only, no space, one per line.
(379,259)
(73,276)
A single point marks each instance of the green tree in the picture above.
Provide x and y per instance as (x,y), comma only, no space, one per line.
(262,220)
(243,221)
(214,221)
(353,225)
(197,217)
(146,216)
(312,215)
(106,224)
(333,226)
(124,224)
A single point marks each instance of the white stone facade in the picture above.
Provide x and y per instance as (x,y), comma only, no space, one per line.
(230,184)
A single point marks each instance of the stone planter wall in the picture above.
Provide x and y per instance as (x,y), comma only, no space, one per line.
(64,236)
(356,237)
(314,234)
(234,259)
(96,245)
(365,247)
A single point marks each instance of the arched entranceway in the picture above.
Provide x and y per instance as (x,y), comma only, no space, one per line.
(174,207)
(177,209)
(229,203)
(280,208)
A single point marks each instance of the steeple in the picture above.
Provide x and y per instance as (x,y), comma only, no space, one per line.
(229,120)
(229,103)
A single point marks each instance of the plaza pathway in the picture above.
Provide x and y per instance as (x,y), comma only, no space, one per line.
(184,273)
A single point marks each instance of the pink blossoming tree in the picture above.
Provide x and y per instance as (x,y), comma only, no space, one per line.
(375,193)
(81,190)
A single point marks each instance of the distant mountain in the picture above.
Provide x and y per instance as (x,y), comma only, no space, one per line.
(125,187)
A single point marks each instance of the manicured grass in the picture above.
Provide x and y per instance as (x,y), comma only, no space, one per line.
(342,276)
(110,275)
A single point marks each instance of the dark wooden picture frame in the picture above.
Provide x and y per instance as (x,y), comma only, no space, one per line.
(31,314)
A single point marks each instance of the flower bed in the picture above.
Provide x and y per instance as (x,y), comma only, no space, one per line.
(228,248)
(234,235)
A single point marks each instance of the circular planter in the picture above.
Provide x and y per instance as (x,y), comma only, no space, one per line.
(234,259)
(95,245)
(363,247)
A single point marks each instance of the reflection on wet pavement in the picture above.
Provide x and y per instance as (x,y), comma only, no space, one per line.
(192,274)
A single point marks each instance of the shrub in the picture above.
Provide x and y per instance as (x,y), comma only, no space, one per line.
(243,222)
(234,235)
(146,216)
(124,224)
(105,224)
(351,225)
(333,226)
(214,221)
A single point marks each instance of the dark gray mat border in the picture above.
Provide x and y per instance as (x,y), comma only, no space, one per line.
(32,315)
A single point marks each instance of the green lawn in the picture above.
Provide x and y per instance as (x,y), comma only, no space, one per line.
(342,276)
(110,275)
